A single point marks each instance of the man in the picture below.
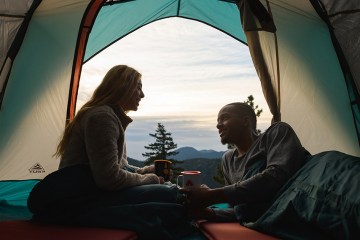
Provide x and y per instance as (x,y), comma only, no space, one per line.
(254,170)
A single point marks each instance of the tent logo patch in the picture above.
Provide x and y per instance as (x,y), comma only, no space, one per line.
(37,168)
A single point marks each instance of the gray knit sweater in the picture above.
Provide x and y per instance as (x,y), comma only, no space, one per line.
(98,139)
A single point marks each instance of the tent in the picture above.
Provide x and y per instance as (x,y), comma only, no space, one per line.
(305,52)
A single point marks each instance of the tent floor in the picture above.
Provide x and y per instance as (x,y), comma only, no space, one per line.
(230,231)
(26,230)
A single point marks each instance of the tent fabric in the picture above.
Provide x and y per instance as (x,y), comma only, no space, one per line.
(33,110)
(13,21)
(307,81)
(13,14)
(269,79)
(117,20)
(288,61)
(344,18)
(13,200)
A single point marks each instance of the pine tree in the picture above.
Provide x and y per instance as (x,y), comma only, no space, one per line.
(162,149)
(250,102)
(219,176)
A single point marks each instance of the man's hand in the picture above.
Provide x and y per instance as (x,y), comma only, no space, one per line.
(197,197)
(203,196)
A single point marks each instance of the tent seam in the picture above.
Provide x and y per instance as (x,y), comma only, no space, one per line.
(277,64)
(178,8)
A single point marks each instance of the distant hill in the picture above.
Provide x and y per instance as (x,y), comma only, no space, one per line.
(206,166)
(135,162)
(186,153)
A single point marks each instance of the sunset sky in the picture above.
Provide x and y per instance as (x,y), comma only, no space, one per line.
(189,71)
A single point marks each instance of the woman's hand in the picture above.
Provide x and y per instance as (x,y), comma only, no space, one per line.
(146,169)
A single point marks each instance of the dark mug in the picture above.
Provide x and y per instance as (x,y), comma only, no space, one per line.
(163,168)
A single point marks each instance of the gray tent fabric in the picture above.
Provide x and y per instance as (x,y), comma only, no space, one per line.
(13,14)
(344,19)
(13,23)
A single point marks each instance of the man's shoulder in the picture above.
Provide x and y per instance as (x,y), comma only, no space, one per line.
(280,131)
(279,126)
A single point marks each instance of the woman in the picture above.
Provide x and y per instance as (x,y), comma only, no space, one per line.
(95,185)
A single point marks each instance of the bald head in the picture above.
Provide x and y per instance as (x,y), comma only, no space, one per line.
(244,109)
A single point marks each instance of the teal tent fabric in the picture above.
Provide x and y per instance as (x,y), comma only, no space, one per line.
(117,20)
(13,199)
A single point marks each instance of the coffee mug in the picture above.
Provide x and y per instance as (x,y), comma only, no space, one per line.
(189,179)
(163,168)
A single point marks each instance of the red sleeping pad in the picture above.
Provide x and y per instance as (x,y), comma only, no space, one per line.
(230,231)
(26,230)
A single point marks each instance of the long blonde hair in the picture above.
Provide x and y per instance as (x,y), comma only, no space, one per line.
(119,83)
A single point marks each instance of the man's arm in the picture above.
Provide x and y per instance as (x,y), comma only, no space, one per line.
(284,157)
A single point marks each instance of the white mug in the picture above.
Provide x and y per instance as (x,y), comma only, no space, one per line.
(189,179)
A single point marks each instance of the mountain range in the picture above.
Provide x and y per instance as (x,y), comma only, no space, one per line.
(205,161)
(186,153)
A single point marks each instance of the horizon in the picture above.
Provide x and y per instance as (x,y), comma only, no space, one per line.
(198,150)
(189,71)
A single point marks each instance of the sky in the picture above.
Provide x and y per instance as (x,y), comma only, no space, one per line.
(189,71)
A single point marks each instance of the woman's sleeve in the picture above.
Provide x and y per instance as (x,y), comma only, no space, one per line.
(101,138)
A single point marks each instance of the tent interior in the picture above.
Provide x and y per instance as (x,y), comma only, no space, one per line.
(310,79)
